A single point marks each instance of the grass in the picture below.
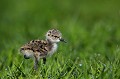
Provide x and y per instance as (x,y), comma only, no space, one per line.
(91,28)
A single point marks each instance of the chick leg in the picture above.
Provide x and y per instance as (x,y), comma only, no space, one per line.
(44,60)
(36,63)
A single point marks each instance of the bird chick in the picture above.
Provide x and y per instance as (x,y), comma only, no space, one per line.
(40,49)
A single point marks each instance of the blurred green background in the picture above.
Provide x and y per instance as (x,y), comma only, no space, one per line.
(89,26)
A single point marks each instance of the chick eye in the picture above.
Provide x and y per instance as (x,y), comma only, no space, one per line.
(56,36)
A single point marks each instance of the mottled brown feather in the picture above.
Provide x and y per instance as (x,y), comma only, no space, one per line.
(37,46)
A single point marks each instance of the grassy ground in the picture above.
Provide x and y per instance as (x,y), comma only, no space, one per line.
(91,28)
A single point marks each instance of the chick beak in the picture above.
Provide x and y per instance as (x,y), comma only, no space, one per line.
(62,40)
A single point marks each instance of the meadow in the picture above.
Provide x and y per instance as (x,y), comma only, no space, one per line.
(91,29)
